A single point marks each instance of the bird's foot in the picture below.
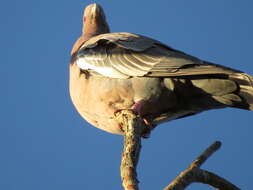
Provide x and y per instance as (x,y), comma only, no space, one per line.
(137,109)
(149,127)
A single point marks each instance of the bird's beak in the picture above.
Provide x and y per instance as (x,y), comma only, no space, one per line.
(93,9)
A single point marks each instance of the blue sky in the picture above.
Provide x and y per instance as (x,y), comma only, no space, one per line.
(45,144)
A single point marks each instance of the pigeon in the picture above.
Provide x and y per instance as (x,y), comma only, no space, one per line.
(110,72)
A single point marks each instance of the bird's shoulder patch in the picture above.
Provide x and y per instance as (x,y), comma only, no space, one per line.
(124,40)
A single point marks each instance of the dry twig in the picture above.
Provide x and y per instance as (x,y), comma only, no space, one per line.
(195,174)
(134,128)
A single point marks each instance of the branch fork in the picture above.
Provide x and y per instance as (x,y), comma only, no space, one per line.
(134,127)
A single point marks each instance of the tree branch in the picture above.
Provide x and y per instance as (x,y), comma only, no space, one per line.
(133,128)
(195,174)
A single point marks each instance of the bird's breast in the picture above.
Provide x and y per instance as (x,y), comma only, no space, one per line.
(98,98)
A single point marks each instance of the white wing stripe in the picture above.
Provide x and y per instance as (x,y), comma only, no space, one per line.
(105,71)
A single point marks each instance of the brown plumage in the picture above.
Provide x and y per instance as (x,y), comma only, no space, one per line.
(115,71)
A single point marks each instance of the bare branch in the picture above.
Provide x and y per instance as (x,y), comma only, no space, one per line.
(214,180)
(195,174)
(133,128)
(206,154)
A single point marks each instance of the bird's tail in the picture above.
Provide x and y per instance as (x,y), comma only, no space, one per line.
(245,90)
(234,89)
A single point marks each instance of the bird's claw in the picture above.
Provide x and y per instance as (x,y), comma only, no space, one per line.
(136,110)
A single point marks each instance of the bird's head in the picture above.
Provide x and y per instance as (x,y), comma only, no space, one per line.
(94,21)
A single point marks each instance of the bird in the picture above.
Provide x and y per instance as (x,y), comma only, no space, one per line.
(110,72)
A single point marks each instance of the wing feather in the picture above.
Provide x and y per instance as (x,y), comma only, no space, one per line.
(124,55)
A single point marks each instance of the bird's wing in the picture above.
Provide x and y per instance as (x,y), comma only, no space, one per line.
(124,55)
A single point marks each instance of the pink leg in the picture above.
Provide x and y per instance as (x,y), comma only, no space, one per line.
(138,109)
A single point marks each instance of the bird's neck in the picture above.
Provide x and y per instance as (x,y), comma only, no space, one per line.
(82,39)
(94,30)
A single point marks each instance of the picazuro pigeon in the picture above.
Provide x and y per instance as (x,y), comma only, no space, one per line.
(110,72)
